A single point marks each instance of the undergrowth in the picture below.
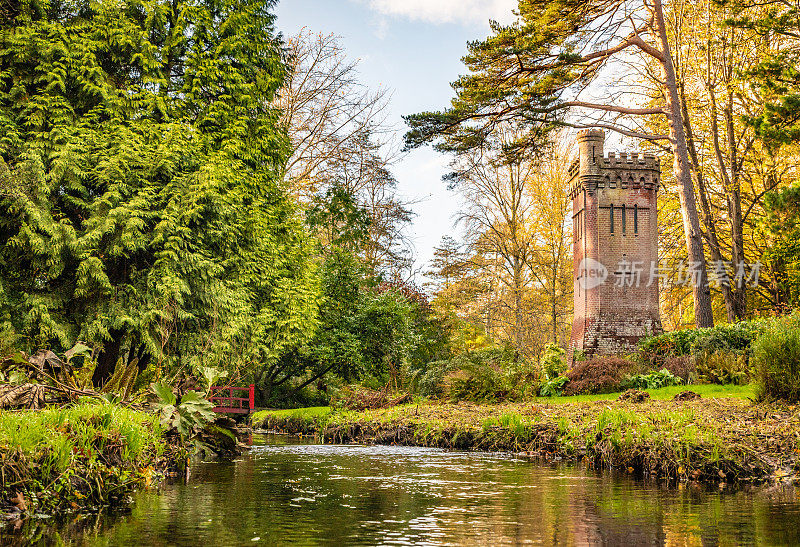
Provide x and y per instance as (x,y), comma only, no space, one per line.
(89,454)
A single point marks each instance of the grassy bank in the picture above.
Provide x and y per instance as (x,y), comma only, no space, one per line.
(664,393)
(308,420)
(83,456)
(722,437)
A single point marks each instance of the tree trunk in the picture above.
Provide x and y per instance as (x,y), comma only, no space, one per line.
(519,338)
(691,222)
(735,210)
(554,297)
(705,207)
(107,361)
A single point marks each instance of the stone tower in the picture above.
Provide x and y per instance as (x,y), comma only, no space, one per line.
(615,247)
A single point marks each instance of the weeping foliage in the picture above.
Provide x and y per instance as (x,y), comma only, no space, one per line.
(140,207)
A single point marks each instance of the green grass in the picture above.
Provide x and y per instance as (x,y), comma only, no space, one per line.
(704,390)
(301,415)
(308,416)
(106,448)
(59,435)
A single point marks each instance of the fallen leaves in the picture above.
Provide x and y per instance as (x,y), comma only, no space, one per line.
(27,396)
(18,501)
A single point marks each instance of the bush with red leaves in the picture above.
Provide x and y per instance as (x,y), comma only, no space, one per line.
(597,375)
(683,366)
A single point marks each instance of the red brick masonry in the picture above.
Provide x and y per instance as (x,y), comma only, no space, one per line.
(615,229)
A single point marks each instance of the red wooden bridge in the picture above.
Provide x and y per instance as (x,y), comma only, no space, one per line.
(231,404)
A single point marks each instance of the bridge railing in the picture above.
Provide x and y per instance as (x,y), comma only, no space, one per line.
(230,403)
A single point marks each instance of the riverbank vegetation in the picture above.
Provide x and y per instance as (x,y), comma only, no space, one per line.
(720,437)
(202,201)
(85,456)
(66,446)
(209,224)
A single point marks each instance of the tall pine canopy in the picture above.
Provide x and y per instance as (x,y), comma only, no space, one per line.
(776,78)
(140,205)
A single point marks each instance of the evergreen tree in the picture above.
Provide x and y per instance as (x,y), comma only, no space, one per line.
(776,79)
(366,331)
(449,262)
(781,228)
(141,209)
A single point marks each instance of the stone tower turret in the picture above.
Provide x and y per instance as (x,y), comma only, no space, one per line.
(615,247)
(590,151)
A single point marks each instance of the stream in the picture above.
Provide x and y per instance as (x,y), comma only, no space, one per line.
(288,490)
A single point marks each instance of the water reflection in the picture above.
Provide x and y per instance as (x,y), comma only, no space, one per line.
(283,492)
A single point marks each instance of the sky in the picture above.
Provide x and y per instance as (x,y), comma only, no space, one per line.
(413,48)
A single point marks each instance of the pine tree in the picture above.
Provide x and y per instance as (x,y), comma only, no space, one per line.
(776,79)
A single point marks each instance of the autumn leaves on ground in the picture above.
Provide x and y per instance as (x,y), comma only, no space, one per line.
(718,438)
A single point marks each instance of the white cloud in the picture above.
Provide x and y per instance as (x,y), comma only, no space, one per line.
(445,11)
(380,28)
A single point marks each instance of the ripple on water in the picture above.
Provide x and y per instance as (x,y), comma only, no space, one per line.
(355,494)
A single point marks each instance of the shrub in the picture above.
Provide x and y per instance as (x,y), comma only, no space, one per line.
(552,362)
(597,375)
(682,366)
(485,375)
(554,387)
(723,367)
(429,381)
(477,382)
(651,380)
(776,360)
(578,355)
(727,337)
(719,355)
(677,342)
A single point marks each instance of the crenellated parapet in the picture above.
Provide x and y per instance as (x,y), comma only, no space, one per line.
(623,170)
(634,160)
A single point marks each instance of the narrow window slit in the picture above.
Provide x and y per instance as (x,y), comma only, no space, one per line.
(611,209)
(623,219)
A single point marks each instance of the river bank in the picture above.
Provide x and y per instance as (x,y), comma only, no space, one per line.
(710,440)
(81,457)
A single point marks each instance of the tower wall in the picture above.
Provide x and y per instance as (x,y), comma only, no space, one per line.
(615,245)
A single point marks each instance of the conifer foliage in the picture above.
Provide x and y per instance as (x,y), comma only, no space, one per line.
(140,205)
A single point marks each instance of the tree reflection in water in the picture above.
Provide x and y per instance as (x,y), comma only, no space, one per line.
(282,492)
